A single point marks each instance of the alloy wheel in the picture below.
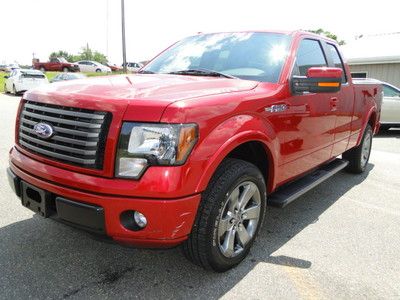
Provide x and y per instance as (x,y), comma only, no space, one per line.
(239,219)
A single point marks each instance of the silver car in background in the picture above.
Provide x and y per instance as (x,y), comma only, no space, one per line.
(390,114)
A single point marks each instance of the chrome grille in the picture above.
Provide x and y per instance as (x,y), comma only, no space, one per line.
(79,134)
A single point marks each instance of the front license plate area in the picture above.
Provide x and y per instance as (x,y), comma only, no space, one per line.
(35,199)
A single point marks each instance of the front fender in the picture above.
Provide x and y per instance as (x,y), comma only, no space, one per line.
(230,134)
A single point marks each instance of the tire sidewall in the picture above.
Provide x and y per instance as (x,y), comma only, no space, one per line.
(368,131)
(217,258)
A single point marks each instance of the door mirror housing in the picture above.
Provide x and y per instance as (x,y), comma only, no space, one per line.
(6,76)
(318,80)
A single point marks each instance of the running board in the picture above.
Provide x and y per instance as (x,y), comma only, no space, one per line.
(291,191)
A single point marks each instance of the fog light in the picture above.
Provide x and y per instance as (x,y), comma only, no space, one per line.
(133,220)
(140,219)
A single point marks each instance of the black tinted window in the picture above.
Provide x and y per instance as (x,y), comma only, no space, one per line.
(246,55)
(337,61)
(309,55)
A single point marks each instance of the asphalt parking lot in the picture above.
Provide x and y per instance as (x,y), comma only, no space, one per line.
(340,240)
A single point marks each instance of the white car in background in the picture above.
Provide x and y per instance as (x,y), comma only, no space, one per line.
(133,67)
(92,66)
(21,80)
(390,113)
(11,67)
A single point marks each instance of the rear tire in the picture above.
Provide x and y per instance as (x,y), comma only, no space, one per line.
(358,157)
(98,70)
(42,69)
(226,224)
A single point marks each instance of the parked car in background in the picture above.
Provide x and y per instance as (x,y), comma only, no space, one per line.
(59,64)
(114,67)
(10,67)
(390,115)
(92,66)
(133,67)
(3,68)
(68,76)
(21,80)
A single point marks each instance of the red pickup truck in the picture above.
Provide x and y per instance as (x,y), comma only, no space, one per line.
(193,148)
(59,64)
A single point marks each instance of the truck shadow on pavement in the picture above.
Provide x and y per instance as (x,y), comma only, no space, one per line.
(394,132)
(40,258)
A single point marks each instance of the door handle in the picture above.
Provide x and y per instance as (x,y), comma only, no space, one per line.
(334,103)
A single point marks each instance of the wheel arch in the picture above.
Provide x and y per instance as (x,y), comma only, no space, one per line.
(370,120)
(247,144)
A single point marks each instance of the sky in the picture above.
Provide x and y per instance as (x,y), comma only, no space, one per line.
(43,26)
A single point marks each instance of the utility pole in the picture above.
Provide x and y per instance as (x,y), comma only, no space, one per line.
(123,34)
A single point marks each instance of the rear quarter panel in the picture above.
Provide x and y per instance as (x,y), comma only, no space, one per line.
(367,105)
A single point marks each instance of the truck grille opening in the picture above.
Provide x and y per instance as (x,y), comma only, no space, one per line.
(79,135)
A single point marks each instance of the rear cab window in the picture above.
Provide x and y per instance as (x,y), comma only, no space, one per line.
(309,54)
(336,60)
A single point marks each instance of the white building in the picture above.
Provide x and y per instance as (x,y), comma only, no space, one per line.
(375,56)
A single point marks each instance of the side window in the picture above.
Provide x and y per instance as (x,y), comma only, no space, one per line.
(390,92)
(309,55)
(337,61)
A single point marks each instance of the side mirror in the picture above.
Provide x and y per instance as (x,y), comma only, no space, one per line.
(318,80)
(6,76)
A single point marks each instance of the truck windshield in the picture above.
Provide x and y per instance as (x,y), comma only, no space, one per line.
(252,56)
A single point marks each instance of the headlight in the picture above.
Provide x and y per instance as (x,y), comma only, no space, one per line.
(142,145)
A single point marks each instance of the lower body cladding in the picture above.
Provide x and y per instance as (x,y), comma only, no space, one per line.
(169,222)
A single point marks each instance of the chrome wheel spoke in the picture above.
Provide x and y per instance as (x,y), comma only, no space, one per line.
(243,235)
(224,226)
(251,213)
(228,247)
(247,194)
(234,200)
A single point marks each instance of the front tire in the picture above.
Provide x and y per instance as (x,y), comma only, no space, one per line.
(358,157)
(14,90)
(229,217)
(98,70)
(42,69)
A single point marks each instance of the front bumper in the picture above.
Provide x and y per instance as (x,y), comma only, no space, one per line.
(169,221)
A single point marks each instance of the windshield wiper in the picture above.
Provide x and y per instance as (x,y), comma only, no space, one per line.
(202,72)
(145,72)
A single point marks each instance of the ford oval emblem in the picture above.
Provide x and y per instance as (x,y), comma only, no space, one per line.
(43,130)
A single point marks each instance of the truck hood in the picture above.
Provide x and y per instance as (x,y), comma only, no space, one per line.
(146,94)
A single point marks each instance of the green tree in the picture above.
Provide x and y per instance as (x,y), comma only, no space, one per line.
(88,54)
(85,54)
(328,34)
(61,53)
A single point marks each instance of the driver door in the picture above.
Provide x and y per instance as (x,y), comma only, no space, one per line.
(309,120)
